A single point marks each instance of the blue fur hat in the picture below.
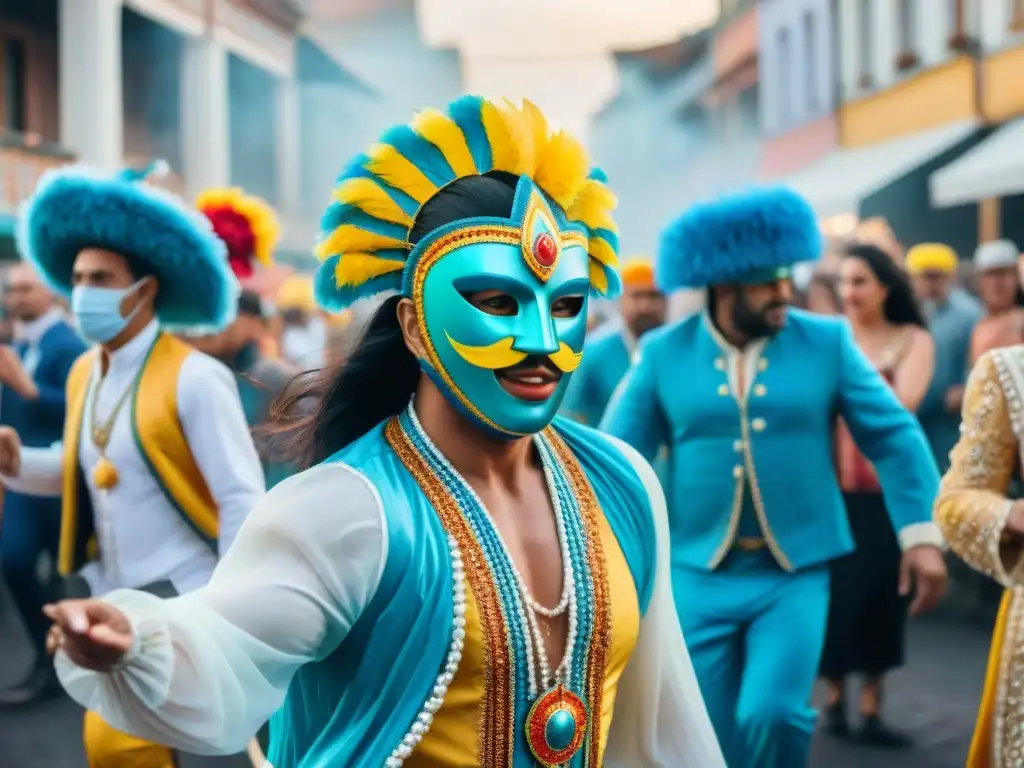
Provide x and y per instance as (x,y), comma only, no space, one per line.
(75,208)
(751,237)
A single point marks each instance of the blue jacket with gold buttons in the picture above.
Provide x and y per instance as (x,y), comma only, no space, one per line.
(775,438)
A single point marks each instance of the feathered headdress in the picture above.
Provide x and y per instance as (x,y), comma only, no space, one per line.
(245,223)
(365,233)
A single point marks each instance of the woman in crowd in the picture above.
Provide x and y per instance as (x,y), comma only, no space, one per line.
(995,266)
(868,607)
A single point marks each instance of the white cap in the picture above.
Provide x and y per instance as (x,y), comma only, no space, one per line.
(995,255)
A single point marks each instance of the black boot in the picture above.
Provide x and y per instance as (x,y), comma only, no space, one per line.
(873,732)
(834,721)
(39,685)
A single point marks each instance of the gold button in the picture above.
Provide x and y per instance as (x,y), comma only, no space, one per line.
(758,424)
(738,446)
(723,390)
(737,471)
(760,390)
(762,364)
(720,363)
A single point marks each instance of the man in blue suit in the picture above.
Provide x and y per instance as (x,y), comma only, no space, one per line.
(32,375)
(746,394)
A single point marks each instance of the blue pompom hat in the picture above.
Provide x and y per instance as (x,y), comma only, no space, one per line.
(751,237)
(75,208)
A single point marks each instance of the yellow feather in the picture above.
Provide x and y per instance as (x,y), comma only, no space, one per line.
(359,268)
(504,148)
(522,138)
(598,279)
(536,123)
(441,131)
(367,196)
(351,239)
(603,253)
(562,167)
(594,206)
(260,216)
(385,161)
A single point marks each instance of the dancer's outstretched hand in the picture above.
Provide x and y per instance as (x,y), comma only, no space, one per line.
(923,573)
(95,635)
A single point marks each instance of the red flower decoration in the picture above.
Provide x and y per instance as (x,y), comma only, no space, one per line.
(236,232)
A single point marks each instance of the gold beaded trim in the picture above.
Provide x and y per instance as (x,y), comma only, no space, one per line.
(501,235)
(601,640)
(496,717)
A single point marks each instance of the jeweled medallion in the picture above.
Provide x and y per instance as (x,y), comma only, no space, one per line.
(556,726)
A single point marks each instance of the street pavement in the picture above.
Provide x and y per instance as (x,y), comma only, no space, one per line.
(934,698)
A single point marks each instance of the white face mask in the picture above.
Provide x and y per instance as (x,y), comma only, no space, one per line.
(97,311)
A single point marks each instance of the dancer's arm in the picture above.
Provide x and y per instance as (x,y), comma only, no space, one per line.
(660,720)
(39,470)
(972,508)
(635,413)
(207,669)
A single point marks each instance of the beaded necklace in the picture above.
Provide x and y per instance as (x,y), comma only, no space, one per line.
(549,701)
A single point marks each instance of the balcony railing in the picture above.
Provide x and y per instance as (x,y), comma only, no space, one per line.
(24,158)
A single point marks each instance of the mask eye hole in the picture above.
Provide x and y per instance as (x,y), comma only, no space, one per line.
(567,306)
(493,302)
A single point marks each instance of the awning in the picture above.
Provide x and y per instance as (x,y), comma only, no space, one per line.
(840,181)
(994,168)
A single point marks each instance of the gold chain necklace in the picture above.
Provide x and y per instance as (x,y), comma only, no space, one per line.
(105,474)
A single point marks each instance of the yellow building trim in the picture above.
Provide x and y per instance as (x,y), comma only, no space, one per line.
(1004,95)
(935,97)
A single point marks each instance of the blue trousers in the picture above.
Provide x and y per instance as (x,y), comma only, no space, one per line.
(755,634)
(31,526)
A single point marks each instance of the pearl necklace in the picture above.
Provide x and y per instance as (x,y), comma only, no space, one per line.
(568,575)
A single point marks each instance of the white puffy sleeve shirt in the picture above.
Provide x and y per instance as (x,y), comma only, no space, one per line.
(209,668)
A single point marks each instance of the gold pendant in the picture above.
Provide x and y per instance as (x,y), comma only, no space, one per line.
(100,437)
(104,474)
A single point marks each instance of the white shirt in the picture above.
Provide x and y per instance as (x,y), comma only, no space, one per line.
(207,669)
(142,537)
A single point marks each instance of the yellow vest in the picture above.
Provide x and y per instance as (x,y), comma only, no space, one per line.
(160,439)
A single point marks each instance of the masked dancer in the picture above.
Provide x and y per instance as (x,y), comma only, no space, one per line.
(745,394)
(461,578)
(157,470)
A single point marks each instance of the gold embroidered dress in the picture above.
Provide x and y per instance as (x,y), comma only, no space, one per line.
(972,510)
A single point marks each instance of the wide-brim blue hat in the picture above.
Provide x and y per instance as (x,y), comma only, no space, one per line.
(74,208)
(751,237)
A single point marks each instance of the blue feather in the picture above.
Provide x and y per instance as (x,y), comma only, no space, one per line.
(608,236)
(355,169)
(722,240)
(466,111)
(421,153)
(334,299)
(598,174)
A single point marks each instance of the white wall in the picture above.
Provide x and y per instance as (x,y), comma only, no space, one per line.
(797,56)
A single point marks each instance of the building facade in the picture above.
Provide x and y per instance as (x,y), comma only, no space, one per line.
(207,85)
(797,52)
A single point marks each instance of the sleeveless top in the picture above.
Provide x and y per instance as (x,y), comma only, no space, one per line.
(856,473)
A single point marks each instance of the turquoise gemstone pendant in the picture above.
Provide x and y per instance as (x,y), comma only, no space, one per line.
(556,726)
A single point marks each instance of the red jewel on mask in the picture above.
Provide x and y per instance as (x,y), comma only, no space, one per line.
(544,249)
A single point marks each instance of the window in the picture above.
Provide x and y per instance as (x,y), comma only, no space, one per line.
(811,62)
(13,63)
(865,39)
(906,21)
(784,76)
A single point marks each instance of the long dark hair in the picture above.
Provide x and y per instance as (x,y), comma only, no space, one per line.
(379,377)
(900,307)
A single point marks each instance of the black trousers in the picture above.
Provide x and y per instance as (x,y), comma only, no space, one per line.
(867,615)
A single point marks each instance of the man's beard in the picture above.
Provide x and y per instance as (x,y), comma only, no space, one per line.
(751,323)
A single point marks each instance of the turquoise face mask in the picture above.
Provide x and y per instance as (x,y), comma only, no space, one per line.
(505,363)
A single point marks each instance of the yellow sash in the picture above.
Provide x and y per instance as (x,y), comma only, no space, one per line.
(159,436)
(980,755)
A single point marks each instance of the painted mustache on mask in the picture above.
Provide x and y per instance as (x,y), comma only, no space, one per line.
(500,354)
